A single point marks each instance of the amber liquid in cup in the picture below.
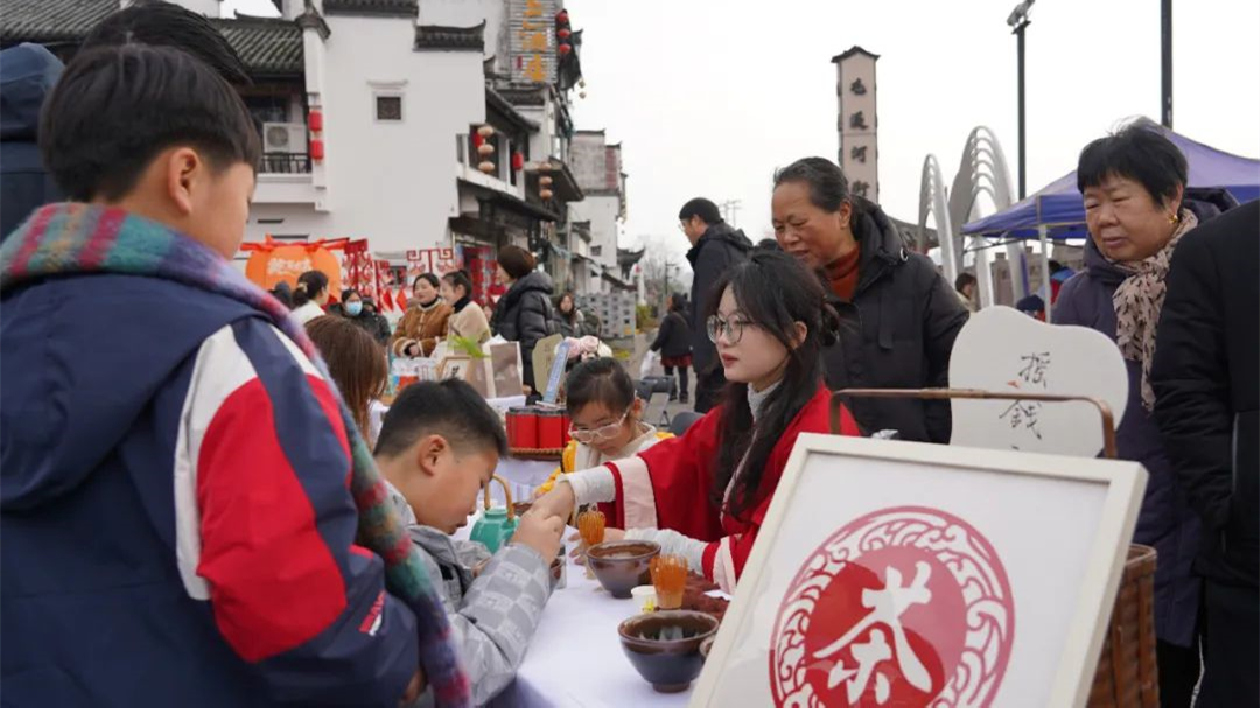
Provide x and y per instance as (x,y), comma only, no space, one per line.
(591,528)
(669,578)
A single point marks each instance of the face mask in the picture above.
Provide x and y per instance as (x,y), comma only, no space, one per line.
(354,308)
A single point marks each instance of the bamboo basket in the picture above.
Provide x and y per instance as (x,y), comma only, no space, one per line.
(1126,675)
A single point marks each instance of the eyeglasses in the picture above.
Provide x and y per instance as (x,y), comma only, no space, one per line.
(590,435)
(732,328)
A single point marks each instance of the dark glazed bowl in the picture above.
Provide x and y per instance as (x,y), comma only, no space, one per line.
(664,646)
(621,566)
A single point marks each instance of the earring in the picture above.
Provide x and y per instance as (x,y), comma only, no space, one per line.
(1173,218)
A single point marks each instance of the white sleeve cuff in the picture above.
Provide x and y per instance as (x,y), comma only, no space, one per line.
(593,486)
(674,543)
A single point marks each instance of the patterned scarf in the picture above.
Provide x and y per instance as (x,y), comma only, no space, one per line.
(1138,301)
(69,239)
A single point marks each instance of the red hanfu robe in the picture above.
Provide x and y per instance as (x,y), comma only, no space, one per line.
(669,486)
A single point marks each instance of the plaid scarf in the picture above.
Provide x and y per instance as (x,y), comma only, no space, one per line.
(70,239)
(1138,301)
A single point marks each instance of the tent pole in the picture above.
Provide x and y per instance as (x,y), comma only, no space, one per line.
(1019,274)
(984,270)
(1045,267)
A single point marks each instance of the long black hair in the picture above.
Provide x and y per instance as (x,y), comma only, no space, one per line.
(459,279)
(773,291)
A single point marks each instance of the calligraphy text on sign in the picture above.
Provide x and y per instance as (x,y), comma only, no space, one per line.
(533,48)
(1032,375)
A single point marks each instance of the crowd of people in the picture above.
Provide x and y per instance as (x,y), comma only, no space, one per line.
(235,532)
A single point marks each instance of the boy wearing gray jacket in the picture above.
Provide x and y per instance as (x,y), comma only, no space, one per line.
(439,443)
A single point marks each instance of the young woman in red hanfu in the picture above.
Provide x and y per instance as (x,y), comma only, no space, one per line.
(705,495)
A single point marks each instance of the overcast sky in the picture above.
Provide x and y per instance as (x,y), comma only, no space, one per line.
(710,96)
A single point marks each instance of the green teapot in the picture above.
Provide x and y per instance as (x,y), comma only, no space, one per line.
(496,525)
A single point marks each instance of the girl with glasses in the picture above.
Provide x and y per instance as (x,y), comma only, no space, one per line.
(703,495)
(607,418)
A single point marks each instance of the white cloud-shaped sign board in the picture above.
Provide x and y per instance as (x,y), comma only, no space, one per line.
(1003,350)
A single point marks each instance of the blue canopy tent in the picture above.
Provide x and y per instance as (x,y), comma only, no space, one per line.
(1060,209)
(1057,211)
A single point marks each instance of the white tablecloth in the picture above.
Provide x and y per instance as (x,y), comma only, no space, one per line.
(576,661)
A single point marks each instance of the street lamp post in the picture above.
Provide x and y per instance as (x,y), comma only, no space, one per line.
(1166,56)
(1018,21)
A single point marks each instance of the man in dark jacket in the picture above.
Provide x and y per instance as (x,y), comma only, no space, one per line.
(1206,377)
(27,74)
(715,246)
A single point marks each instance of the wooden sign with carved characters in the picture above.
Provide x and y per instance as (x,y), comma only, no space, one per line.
(1004,350)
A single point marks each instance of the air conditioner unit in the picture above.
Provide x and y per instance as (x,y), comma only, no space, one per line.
(284,137)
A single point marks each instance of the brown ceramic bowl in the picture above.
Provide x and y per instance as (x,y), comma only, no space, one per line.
(621,566)
(664,646)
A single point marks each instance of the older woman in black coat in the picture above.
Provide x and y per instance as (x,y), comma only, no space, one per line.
(898,316)
(1136,211)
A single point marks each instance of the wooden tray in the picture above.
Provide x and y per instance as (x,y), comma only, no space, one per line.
(546,454)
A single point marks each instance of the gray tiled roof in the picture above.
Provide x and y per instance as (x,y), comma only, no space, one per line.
(51,20)
(387,8)
(266,45)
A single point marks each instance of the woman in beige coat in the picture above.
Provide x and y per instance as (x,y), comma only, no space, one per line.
(425,321)
(466,319)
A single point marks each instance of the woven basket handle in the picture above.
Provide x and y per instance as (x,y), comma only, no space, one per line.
(507,495)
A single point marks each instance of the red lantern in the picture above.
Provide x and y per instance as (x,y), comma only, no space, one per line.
(315,119)
(563,33)
(518,161)
(562,17)
(317,149)
(565,49)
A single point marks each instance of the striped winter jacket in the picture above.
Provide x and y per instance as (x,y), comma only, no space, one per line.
(176,527)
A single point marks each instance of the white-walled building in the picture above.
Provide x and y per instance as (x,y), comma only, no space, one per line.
(392,94)
(601,175)
(370,113)
(359,105)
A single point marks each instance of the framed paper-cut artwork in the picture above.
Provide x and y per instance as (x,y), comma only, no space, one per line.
(455,367)
(904,574)
(506,367)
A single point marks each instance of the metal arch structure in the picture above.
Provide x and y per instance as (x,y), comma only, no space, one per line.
(934,200)
(983,170)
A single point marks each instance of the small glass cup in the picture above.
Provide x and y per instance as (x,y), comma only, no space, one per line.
(591,528)
(669,577)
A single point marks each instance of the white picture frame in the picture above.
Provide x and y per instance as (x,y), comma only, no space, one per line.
(1076,623)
